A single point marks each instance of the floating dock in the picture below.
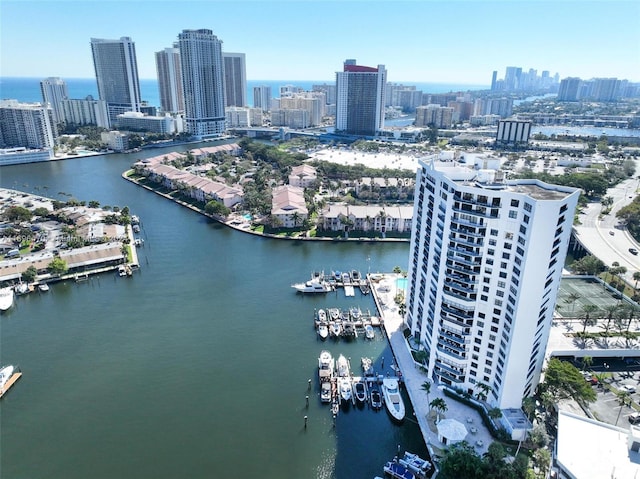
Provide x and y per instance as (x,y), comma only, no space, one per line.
(10,383)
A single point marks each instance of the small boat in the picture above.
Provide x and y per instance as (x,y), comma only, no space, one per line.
(346,278)
(322,315)
(21,288)
(342,367)
(360,390)
(369,333)
(136,228)
(355,313)
(5,374)
(376,398)
(313,286)
(334,313)
(138,242)
(414,463)
(365,288)
(325,391)
(6,298)
(323,330)
(392,399)
(44,287)
(367,367)
(325,366)
(398,471)
(335,329)
(345,388)
(135,220)
(122,271)
(355,276)
(348,329)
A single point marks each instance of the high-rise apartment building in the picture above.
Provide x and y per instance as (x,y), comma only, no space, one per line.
(26,125)
(569,89)
(606,89)
(329,90)
(54,90)
(486,259)
(116,71)
(170,79)
(360,97)
(203,82)
(262,97)
(235,79)
(85,112)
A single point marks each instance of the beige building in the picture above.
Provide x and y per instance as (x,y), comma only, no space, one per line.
(303,176)
(343,217)
(288,206)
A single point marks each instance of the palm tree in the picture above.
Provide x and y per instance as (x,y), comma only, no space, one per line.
(440,406)
(426,387)
(571,299)
(611,311)
(587,309)
(586,362)
(483,391)
(295,217)
(624,399)
(636,278)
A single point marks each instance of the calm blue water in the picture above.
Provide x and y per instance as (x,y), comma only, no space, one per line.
(198,365)
(28,89)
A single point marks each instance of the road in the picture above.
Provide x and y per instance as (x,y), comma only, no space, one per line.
(604,237)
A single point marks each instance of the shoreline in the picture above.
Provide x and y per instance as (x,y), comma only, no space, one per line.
(241,227)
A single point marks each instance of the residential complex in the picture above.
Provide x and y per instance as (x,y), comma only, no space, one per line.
(262,97)
(54,91)
(360,99)
(203,82)
(116,71)
(235,79)
(486,258)
(170,80)
(26,125)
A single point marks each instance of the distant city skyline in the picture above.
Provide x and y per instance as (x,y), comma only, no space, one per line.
(426,41)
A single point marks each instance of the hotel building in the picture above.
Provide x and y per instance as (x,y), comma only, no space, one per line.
(360,99)
(116,71)
(485,264)
(203,82)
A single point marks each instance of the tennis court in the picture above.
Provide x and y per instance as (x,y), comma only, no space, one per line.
(577,292)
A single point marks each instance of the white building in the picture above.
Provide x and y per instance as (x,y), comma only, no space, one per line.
(235,79)
(238,117)
(262,97)
(485,264)
(135,121)
(303,176)
(15,156)
(116,71)
(170,80)
(203,82)
(54,90)
(85,112)
(115,140)
(25,124)
(513,132)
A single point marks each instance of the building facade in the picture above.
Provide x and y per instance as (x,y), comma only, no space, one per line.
(235,79)
(85,112)
(486,259)
(169,72)
(203,82)
(513,133)
(360,98)
(262,97)
(26,124)
(54,91)
(116,70)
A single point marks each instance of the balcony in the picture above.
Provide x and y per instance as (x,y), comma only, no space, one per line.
(452,351)
(469,231)
(462,268)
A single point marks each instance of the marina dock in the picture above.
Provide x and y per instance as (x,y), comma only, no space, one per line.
(10,383)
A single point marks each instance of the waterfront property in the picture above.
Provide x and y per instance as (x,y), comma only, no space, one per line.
(377,218)
(485,264)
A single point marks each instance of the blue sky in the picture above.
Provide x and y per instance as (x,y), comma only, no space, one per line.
(452,41)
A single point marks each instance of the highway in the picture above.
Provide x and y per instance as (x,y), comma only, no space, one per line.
(603,236)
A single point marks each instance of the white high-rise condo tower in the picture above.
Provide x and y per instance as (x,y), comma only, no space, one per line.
(54,90)
(360,95)
(485,264)
(170,80)
(203,82)
(116,70)
(235,79)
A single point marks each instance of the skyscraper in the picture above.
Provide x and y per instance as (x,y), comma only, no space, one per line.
(486,258)
(235,79)
(25,124)
(170,79)
(116,70)
(569,89)
(203,82)
(262,97)
(360,99)
(54,90)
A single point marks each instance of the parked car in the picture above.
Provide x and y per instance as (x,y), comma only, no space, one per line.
(611,232)
(634,418)
(633,251)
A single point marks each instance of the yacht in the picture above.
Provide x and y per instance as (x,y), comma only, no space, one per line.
(360,390)
(392,399)
(325,366)
(397,471)
(323,330)
(313,286)
(414,463)
(6,298)
(5,374)
(376,398)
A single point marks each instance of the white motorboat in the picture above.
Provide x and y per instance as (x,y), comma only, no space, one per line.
(367,367)
(135,220)
(44,287)
(342,367)
(360,390)
(323,330)
(334,313)
(6,298)
(414,463)
(325,392)
(345,388)
(392,399)
(122,271)
(313,286)
(5,374)
(335,329)
(322,315)
(21,288)
(325,366)
(369,333)
(355,313)
(376,398)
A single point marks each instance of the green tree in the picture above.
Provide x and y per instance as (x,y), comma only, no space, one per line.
(624,399)
(426,387)
(440,407)
(563,380)
(483,390)
(588,265)
(29,275)
(18,214)
(216,208)
(461,461)
(57,266)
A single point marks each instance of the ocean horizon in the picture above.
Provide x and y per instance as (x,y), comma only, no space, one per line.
(27,89)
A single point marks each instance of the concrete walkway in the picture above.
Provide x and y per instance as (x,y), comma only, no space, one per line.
(384,291)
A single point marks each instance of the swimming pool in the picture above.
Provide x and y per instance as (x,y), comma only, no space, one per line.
(247,217)
(401,283)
